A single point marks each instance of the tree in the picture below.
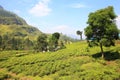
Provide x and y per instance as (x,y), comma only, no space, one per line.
(0,42)
(55,38)
(13,43)
(5,40)
(41,43)
(79,33)
(27,44)
(53,42)
(102,28)
(119,35)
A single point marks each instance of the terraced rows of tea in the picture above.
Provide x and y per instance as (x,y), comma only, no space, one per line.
(76,62)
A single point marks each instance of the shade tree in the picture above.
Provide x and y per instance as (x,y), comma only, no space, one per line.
(101,28)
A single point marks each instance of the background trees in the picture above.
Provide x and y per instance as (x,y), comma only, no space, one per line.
(53,41)
(8,42)
(79,33)
(28,44)
(41,44)
(101,27)
(49,44)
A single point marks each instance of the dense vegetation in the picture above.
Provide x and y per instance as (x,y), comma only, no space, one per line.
(76,62)
(43,43)
(13,43)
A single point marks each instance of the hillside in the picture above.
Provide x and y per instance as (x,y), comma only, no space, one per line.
(76,62)
(13,25)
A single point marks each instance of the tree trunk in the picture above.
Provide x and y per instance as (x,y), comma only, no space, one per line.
(101,50)
(81,37)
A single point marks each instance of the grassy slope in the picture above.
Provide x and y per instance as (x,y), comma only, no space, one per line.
(13,25)
(27,30)
(76,62)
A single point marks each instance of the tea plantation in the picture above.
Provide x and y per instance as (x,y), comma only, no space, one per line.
(76,62)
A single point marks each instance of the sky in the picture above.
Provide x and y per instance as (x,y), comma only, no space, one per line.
(63,16)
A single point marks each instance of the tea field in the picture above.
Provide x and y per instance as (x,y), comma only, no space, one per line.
(76,62)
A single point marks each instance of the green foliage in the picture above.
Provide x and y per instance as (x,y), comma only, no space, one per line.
(107,42)
(13,43)
(101,24)
(41,44)
(22,31)
(102,28)
(74,62)
(28,44)
(3,75)
(56,35)
(53,41)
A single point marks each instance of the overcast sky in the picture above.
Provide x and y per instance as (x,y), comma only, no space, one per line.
(64,16)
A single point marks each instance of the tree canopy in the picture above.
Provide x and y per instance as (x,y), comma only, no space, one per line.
(102,28)
(53,42)
(41,43)
(79,33)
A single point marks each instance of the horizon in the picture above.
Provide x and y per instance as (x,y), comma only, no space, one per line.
(63,16)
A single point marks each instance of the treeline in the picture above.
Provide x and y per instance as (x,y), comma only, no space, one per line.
(43,43)
(15,43)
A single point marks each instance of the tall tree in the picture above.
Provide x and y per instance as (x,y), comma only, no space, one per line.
(79,33)
(102,28)
(55,38)
(41,43)
(53,42)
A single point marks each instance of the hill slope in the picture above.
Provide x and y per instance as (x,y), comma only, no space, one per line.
(13,25)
